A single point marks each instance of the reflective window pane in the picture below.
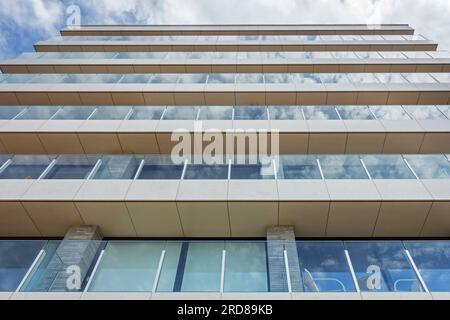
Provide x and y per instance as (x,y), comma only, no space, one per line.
(382,266)
(419,78)
(164,78)
(277,78)
(355,113)
(390,113)
(206,172)
(445,110)
(342,167)
(362,78)
(306,78)
(432,258)
(387,167)
(16,257)
(337,78)
(38,113)
(136,78)
(216,113)
(117,167)
(285,113)
(157,167)
(250,113)
(181,113)
(72,167)
(320,113)
(26,167)
(147,113)
(246,267)
(9,112)
(73,113)
(323,267)
(395,78)
(110,113)
(192,78)
(221,78)
(429,166)
(298,167)
(248,170)
(249,78)
(424,113)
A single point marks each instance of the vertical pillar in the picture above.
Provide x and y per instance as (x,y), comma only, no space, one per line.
(280,238)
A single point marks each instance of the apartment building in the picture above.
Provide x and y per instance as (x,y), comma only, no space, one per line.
(343,194)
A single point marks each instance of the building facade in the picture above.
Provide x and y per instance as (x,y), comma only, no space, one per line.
(315,164)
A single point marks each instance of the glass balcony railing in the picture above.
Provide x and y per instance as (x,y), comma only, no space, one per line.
(230,78)
(224,266)
(240,55)
(246,39)
(283,167)
(200,113)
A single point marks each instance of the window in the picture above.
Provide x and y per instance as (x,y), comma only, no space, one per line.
(72,167)
(392,55)
(117,167)
(362,78)
(246,267)
(323,267)
(342,167)
(306,78)
(385,260)
(298,167)
(252,171)
(387,167)
(110,113)
(160,167)
(334,78)
(394,78)
(147,113)
(16,257)
(285,113)
(249,78)
(368,55)
(10,112)
(320,113)
(222,78)
(26,167)
(277,78)
(355,113)
(38,113)
(136,78)
(441,77)
(216,113)
(73,113)
(425,113)
(250,113)
(429,166)
(416,55)
(206,172)
(192,78)
(181,113)
(164,78)
(419,78)
(390,113)
(445,110)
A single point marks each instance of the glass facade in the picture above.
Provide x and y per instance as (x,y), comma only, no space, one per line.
(228,266)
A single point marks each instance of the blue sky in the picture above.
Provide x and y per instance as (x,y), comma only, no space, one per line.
(24,22)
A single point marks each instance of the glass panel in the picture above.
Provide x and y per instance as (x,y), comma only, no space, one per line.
(192,78)
(432,258)
(73,113)
(72,167)
(439,54)
(285,113)
(216,113)
(445,110)
(207,172)
(382,266)
(160,167)
(128,266)
(246,267)
(16,257)
(92,78)
(9,112)
(277,78)
(416,55)
(181,113)
(324,267)
(429,166)
(164,78)
(141,55)
(355,113)
(26,167)
(344,55)
(222,78)
(136,78)
(368,55)
(147,113)
(251,171)
(17,78)
(419,78)
(441,77)
(334,78)
(110,113)
(202,270)
(249,78)
(391,78)
(390,113)
(250,113)
(306,78)
(38,113)
(298,167)
(362,78)
(393,37)
(320,113)
(424,113)
(117,167)
(342,167)
(387,167)
(392,55)
(372,38)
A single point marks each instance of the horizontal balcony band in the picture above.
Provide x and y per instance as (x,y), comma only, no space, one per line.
(223,66)
(235,208)
(223,94)
(123,46)
(238,30)
(294,136)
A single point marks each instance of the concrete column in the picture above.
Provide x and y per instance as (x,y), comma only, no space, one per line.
(76,252)
(280,238)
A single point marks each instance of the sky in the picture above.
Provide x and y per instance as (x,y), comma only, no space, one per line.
(24,22)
